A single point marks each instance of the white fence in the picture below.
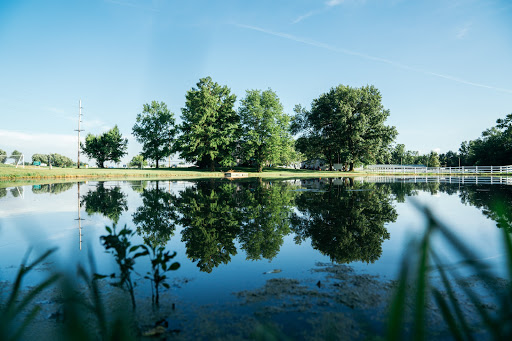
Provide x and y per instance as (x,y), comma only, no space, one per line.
(397,169)
(462,180)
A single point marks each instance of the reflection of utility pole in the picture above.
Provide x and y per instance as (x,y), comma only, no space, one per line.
(79,120)
(79,219)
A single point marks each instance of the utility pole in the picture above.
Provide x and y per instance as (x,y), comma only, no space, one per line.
(79,130)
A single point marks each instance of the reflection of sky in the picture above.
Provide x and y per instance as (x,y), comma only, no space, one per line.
(47,220)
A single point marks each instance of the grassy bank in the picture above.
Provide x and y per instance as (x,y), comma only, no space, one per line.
(31,174)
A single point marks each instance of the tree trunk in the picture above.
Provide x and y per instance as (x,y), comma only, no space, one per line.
(212,165)
(260,167)
(156,163)
(351,166)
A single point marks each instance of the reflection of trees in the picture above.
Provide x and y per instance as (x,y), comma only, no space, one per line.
(3,192)
(110,202)
(401,190)
(138,185)
(215,213)
(266,210)
(17,191)
(211,222)
(345,221)
(52,188)
(155,218)
(494,201)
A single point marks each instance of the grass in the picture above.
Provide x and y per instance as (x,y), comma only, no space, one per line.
(9,174)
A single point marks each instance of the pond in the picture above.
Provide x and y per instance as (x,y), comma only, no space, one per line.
(242,245)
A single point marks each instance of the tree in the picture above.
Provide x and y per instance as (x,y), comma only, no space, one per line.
(3,156)
(138,161)
(210,127)
(155,129)
(265,129)
(43,158)
(349,123)
(433,159)
(109,146)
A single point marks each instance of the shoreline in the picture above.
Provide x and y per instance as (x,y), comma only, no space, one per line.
(37,175)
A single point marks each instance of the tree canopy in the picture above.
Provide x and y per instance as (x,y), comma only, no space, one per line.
(210,127)
(109,146)
(345,123)
(265,138)
(155,129)
(3,155)
(138,161)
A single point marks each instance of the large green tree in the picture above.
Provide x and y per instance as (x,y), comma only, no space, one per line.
(155,129)
(210,127)
(348,123)
(265,129)
(109,146)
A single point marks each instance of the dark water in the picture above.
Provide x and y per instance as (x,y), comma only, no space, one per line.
(230,236)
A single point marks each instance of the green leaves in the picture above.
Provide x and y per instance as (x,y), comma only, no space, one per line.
(345,124)
(210,127)
(265,129)
(109,146)
(155,129)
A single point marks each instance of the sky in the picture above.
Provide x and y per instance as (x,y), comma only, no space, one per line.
(444,68)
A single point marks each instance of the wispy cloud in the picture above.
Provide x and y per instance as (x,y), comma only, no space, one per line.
(307,15)
(368,57)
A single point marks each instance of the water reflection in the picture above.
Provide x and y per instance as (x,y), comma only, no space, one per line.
(266,208)
(110,202)
(52,188)
(495,202)
(17,192)
(3,192)
(211,222)
(155,219)
(345,220)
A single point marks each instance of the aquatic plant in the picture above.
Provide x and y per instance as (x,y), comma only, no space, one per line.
(414,290)
(124,254)
(13,320)
(159,266)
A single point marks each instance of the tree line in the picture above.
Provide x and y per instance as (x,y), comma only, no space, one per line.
(344,125)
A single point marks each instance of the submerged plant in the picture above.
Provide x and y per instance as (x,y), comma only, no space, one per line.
(159,266)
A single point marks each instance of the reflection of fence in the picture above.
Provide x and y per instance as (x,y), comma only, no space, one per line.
(397,169)
(478,180)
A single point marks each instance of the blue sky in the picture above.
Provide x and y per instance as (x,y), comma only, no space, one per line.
(444,68)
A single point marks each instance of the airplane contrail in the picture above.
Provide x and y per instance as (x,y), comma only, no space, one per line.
(368,57)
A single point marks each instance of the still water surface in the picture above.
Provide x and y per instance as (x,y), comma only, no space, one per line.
(229,235)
